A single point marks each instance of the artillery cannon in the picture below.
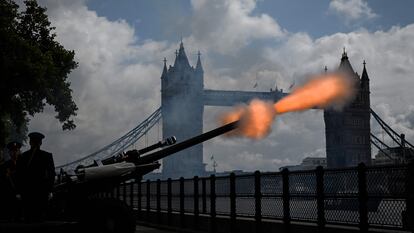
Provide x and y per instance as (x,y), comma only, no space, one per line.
(75,199)
(123,166)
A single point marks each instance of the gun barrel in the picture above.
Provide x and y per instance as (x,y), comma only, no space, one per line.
(166,142)
(187,143)
(133,155)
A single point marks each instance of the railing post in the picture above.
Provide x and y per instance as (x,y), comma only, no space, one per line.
(258,201)
(169,201)
(362,198)
(232,203)
(196,206)
(404,158)
(286,199)
(139,198)
(159,200)
(182,220)
(118,194)
(408,219)
(131,194)
(320,197)
(213,226)
(148,199)
(204,195)
(124,194)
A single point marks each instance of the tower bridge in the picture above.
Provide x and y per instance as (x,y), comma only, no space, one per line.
(183,97)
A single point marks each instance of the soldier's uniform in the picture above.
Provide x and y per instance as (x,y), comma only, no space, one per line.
(35,173)
(10,205)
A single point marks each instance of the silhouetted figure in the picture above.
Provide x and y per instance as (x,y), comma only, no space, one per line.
(35,179)
(9,202)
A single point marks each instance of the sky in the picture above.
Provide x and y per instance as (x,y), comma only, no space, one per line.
(120,45)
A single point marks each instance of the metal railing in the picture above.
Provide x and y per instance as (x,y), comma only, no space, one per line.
(362,197)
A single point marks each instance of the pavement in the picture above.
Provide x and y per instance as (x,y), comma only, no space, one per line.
(144,229)
(61,227)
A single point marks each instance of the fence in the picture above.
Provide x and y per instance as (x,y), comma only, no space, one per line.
(361,197)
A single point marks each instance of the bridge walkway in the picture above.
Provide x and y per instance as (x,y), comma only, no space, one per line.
(147,228)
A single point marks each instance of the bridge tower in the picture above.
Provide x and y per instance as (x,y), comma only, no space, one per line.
(183,98)
(347,131)
(182,113)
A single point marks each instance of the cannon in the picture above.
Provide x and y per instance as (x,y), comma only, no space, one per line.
(121,166)
(75,196)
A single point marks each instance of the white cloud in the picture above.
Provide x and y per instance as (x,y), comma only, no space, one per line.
(390,66)
(401,122)
(117,83)
(226,26)
(388,55)
(115,86)
(352,10)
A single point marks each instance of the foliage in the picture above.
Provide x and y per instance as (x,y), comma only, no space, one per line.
(34,69)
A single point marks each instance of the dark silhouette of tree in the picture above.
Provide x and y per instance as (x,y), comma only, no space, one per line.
(34,69)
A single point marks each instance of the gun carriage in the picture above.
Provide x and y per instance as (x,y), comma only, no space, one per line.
(75,196)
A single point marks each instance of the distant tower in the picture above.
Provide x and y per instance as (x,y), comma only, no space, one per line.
(347,132)
(182,113)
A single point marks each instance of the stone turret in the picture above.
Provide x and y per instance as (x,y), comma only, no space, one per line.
(181,60)
(182,114)
(348,130)
(164,70)
(199,67)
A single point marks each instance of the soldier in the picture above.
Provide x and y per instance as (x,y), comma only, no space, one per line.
(35,178)
(10,204)
(14,152)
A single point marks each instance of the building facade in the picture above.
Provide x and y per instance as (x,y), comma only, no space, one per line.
(308,163)
(347,131)
(393,155)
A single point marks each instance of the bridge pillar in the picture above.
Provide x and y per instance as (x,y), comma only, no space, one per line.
(347,131)
(182,114)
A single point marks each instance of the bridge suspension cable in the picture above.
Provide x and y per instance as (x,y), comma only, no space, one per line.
(380,145)
(118,145)
(396,138)
(393,135)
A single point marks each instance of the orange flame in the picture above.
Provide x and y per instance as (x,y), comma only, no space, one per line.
(332,90)
(256,118)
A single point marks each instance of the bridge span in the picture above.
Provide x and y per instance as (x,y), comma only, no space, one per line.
(232,98)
